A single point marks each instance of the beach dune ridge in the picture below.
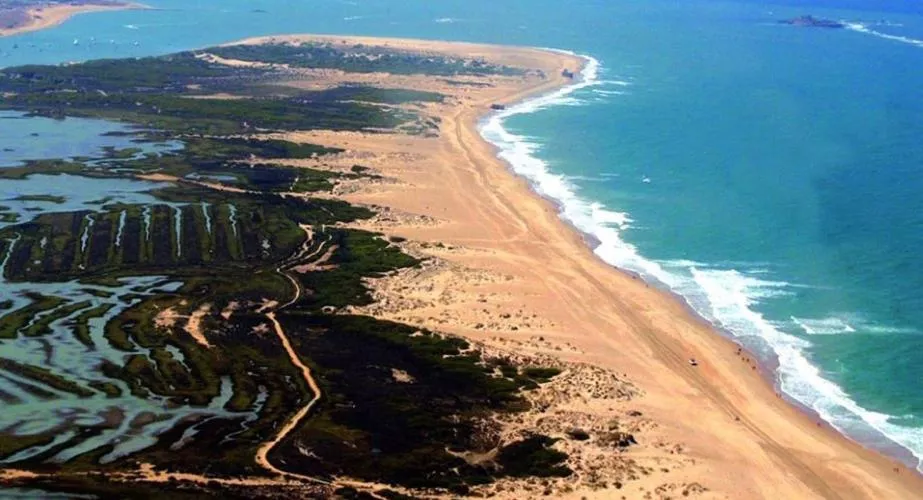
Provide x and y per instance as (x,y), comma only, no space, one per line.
(743,439)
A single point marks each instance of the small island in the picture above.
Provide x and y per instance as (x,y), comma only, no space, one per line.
(812,22)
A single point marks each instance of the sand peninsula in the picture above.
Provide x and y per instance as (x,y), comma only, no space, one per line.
(496,265)
(513,275)
(18,18)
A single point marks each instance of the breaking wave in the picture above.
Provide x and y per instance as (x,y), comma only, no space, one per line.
(862,28)
(727,297)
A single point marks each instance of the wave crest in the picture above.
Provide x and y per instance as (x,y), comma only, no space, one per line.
(725,297)
(862,28)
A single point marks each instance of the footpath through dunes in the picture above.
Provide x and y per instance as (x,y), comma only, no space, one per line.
(510,266)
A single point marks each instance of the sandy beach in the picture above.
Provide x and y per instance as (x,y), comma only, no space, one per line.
(504,270)
(48,16)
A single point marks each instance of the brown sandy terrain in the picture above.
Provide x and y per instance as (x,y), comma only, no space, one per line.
(169,317)
(505,270)
(43,17)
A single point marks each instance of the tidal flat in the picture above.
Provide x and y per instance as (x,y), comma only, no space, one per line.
(175,292)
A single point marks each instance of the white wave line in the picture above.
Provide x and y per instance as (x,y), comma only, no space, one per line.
(726,297)
(861,28)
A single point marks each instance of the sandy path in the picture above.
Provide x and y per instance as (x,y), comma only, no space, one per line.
(263,452)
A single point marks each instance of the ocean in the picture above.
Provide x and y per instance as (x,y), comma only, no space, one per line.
(768,175)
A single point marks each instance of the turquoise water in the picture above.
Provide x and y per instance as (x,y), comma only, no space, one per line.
(769,175)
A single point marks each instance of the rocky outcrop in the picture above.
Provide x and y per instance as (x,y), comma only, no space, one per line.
(812,22)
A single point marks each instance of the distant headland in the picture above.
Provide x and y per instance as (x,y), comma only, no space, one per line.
(20,16)
(812,22)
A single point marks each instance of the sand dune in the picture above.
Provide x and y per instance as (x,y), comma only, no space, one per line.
(507,271)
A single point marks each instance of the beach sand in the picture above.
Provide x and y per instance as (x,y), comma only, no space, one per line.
(43,17)
(506,271)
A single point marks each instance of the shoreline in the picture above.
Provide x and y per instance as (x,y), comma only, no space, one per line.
(493,219)
(767,367)
(45,17)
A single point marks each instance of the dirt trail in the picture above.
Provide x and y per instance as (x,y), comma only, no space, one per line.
(262,455)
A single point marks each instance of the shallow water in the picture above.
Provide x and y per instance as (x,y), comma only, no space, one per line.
(25,412)
(36,138)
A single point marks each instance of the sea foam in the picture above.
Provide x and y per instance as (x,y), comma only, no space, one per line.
(824,326)
(725,297)
(862,28)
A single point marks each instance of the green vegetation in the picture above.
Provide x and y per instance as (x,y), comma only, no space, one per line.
(42,325)
(353,432)
(209,116)
(44,376)
(259,233)
(11,443)
(82,322)
(358,59)
(13,322)
(237,251)
(533,456)
(50,167)
(541,374)
(242,148)
(358,254)
(7,216)
(372,95)
(172,73)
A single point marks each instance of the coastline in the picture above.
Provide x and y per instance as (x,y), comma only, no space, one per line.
(725,412)
(767,366)
(763,367)
(48,17)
